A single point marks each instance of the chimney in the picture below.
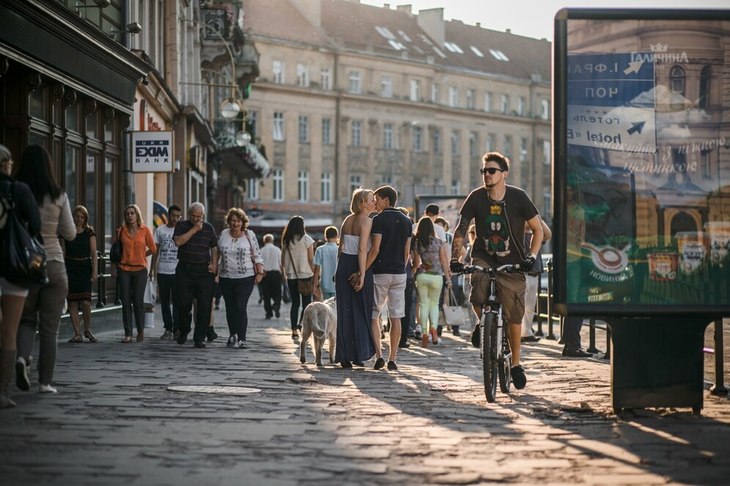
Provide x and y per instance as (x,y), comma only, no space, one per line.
(386,5)
(479,24)
(431,20)
(509,31)
(311,10)
(404,8)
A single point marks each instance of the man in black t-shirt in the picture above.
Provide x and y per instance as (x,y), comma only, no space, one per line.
(500,212)
(391,242)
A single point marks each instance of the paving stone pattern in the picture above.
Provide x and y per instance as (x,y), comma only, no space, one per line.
(116,421)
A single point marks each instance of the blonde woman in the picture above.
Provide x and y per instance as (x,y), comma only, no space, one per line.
(354,284)
(81,267)
(137,245)
(241,266)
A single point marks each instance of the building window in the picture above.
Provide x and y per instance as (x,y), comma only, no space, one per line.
(470,99)
(705,163)
(453,96)
(491,143)
(417,139)
(303,186)
(386,87)
(504,105)
(487,102)
(472,144)
(436,140)
(355,82)
(303,75)
(435,93)
(545,109)
(278,68)
(455,187)
(356,133)
(521,103)
(523,149)
(388,136)
(507,149)
(326,131)
(278,131)
(454,142)
(546,151)
(355,182)
(253,125)
(415,94)
(326,78)
(677,80)
(326,187)
(303,129)
(252,189)
(705,77)
(278,185)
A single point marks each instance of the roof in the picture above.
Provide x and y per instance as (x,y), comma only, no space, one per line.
(376,31)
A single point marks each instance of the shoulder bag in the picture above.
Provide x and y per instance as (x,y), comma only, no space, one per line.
(22,257)
(454,314)
(115,252)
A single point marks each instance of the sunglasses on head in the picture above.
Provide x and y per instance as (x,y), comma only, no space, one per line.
(489,170)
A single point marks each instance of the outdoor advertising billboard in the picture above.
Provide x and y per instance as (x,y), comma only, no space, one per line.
(642,162)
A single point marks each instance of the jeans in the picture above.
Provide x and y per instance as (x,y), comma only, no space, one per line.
(271,289)
(571,333)
(166,284)
(194,281)
(429,291)
(408,321)
(296,297)
(131,293)
(236,292)
(42,310)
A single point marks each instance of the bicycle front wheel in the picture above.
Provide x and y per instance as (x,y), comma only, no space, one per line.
(489,356)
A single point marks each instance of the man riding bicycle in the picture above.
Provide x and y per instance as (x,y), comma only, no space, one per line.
(499,212)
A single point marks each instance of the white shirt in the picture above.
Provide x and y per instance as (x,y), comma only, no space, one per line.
(167,250)
(236,258)
(297,252)
(271,255)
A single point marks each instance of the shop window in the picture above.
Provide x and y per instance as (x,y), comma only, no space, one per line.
(109,163)
(72,157)
(90,187)
(92,127)
(37,103)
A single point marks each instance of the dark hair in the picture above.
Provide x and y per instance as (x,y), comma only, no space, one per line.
(294,230)
(330,232)
(497,157)
(174,207)
(432,209)
(387,192)
(35,170)
(424,232)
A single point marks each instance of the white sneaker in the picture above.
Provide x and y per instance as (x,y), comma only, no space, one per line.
(232,341)
(46,389)
(22,378)
(241,345)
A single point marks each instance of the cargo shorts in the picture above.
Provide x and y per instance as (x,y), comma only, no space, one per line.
(510,286)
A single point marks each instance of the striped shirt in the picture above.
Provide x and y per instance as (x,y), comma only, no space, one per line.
(197,249)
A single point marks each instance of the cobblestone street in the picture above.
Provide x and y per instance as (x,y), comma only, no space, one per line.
(119,419)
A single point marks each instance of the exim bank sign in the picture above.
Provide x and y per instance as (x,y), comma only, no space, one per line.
(152,152)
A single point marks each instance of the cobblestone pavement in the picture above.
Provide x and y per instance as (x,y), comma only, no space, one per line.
(117,419)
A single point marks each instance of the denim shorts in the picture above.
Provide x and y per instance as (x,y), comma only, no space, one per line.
(7,288)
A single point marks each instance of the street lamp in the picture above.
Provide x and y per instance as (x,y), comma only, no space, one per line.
(230,108)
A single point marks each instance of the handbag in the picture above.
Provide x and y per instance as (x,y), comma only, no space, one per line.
(115,252)
(305,286)
(22,257)
(454,314)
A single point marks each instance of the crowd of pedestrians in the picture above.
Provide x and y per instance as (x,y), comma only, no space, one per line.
(374,266)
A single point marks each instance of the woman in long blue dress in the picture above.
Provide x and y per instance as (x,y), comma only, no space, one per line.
(354,284)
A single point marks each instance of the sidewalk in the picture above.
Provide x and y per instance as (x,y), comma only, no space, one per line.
(272,421)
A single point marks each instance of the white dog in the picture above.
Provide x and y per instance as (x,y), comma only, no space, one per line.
(320,320)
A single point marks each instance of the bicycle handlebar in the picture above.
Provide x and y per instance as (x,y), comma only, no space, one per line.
(506,268)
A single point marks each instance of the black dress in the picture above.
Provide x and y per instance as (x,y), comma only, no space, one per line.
(354,311)
(78,265)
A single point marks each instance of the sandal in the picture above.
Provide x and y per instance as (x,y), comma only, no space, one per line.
(127,339)
(90,336)
(76,339)
(140,337)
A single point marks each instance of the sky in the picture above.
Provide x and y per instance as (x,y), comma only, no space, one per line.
(531,18)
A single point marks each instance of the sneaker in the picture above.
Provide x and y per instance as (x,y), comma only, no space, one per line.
(577,353)
(212,336)
(518,377)
(199,344)
(417,335)
(241,345)
(276,313)
(232,340)
(182,338)
(529,339)
(166,336)
(439,330)
(404,344)
(392,366)
(22,378)
(379,363)
(455,331)
(46,389)
(476,336)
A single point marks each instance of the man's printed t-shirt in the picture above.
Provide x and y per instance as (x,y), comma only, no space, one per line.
(395,228)
(500,224)
(167,256)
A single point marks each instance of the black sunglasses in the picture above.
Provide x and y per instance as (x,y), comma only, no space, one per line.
(490,170)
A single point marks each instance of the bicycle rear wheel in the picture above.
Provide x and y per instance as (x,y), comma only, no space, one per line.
(489,356)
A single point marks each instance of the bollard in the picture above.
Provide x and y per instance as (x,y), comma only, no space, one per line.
(100,283)
(592,336)
(719,387)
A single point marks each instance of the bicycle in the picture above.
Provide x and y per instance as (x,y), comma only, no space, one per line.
(494,347)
